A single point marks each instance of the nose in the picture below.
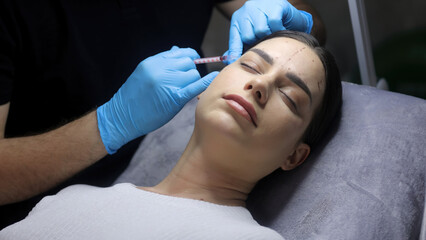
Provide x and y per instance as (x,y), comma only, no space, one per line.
(259,89)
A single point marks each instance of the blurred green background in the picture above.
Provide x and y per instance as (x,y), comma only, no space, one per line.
(401,60)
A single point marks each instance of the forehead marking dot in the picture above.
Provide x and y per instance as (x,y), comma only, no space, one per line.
(294,54)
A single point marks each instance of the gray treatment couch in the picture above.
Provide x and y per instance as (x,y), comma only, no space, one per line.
(367,181)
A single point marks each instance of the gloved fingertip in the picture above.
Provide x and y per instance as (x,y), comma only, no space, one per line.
(174,47)
(226,61)
(309,20)
(210,77)
(197,87)
(215,73)
(232,56)
(193,54)
(232,60)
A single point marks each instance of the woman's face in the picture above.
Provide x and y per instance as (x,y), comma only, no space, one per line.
(257,109)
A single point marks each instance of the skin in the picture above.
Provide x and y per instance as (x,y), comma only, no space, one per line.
(33,164)
(227,154)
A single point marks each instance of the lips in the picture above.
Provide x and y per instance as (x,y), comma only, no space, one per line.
(243,107)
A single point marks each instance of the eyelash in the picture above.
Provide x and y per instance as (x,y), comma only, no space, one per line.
(250,67)
(291,100)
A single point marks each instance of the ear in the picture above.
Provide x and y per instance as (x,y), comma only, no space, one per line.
(297,157)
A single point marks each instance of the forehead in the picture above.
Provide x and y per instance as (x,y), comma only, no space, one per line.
(288,51)
(290,55)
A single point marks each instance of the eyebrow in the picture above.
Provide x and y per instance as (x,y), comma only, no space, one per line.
(264,55)
(293,77)
(296,80)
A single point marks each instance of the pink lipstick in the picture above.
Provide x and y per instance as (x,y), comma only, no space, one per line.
(243,107)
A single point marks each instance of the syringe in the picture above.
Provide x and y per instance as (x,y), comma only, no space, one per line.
(214,59)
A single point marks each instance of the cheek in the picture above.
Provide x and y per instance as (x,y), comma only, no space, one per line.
(231,77)
(218,87)
(281,129)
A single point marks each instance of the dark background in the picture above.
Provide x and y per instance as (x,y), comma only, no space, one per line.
(398,37)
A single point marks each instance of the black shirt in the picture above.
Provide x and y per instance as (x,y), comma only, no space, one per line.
(60,59)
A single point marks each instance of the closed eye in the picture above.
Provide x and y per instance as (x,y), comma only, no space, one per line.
(249,67)
(290,100)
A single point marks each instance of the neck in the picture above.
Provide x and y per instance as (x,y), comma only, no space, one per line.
(199,175)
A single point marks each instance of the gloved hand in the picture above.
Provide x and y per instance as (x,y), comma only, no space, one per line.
(153,94)
(258,18)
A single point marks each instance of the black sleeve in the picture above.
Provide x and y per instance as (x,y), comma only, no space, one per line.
(8,49)
(221,1)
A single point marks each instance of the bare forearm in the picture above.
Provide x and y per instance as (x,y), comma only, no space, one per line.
(31,165)
(318,29)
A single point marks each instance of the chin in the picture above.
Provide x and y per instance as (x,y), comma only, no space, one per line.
(221,126)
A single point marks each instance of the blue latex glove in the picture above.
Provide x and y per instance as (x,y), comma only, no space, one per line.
(258,18)
(153,94)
